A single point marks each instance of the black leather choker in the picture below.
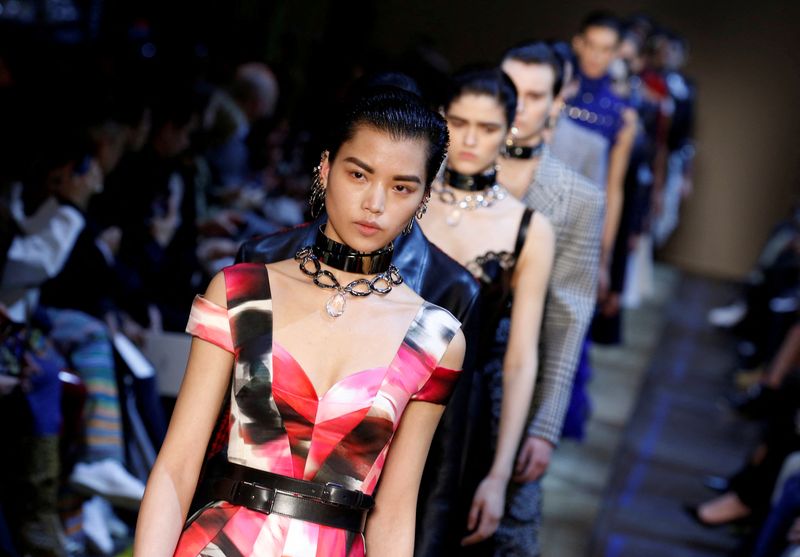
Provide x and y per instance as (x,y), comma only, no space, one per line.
(517,152)
(342,257)
(469,182)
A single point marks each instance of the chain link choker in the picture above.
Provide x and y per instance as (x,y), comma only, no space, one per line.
(519,152)
(343,257)
(382,283)
(469,182)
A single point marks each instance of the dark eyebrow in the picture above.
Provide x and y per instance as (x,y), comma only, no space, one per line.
(362,164)
(409,178)
(368,168)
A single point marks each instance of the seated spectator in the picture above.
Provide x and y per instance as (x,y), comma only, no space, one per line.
(227,121)
(770,293)
(782,526)
(152,197)
(69,172)
(31,397)
(748,492)
(757,401)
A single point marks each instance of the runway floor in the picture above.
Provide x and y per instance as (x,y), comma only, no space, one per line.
(658,427)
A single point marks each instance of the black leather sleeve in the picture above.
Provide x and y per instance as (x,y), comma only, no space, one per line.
(442,508)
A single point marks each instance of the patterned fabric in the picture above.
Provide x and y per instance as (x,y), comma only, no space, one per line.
(281,424)
(518,533)
(575,209)
(582,150)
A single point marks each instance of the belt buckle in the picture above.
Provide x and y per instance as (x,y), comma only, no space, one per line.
(235,488)
(271,493)
(335,494)
(276,492)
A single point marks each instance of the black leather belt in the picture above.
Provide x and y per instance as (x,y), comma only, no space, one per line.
(328,504)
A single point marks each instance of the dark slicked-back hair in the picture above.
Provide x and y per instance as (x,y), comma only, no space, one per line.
(400,114)
(538,52)
(601,19)
(485,81)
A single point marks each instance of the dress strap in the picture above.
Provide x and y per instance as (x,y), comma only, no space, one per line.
(523,231)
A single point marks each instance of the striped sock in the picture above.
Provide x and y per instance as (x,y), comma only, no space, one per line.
(94,362)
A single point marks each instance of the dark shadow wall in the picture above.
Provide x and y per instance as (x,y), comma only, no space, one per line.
(745,57)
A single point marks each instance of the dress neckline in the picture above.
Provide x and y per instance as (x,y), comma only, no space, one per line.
(278,348)
(510,257)
(412,325)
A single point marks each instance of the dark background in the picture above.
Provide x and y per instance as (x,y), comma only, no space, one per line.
(744,57)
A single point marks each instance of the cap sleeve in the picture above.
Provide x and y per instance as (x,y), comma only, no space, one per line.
(209,321)
(437,327)
(439,386)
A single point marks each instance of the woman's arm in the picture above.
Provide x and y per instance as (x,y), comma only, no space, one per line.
(519,376)
(615,193)
(174,476)
(390,529)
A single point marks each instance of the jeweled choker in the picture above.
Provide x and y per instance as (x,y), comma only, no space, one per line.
(519,152)
(469,182)
(470,202)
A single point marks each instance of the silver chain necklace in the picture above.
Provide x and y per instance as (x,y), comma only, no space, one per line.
(381,283)
(477,200)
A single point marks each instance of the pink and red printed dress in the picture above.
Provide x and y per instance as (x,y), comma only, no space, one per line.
(280,424)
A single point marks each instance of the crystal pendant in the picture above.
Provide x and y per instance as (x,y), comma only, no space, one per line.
(454,217)
(335,305)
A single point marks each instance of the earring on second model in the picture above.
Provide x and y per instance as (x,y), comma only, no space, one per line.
(512,135)
(317,198)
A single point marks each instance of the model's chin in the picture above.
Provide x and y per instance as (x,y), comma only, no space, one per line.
(467,166)
(367,241)
(525,132)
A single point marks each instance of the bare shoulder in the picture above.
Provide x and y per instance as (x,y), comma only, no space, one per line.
(513,205)
(287,269)
(539,247)
(629,116)
(540,231)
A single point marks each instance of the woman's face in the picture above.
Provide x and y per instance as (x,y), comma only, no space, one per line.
(596,48)
(534,83)
(373,188)
(478,127)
